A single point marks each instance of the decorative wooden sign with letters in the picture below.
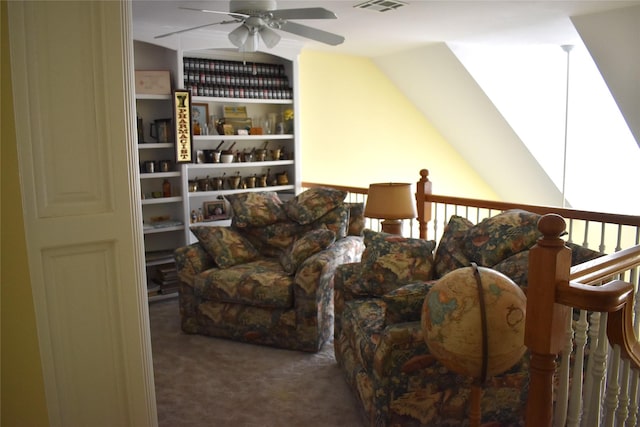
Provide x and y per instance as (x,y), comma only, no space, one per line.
(182,113)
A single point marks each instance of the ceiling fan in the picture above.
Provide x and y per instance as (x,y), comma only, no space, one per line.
(259,19)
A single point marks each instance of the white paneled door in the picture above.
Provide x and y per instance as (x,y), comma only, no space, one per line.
(72,70)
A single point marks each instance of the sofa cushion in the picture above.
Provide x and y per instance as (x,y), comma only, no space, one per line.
(390,261)
(356,218)
(450,253)
(497,238)
(226,246)
(516,267)
(405,303)
(310,243)
(261,283)
(312,204)
(336,220)
(255,208)
(580,254)
(272,239)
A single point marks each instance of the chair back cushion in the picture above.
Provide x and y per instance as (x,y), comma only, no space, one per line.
(390,261)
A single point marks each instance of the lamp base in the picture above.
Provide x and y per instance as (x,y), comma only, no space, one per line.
(392,226)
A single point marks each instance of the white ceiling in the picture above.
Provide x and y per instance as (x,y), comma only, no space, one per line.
(370,33)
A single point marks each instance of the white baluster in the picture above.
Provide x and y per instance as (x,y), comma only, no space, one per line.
(623,399)
(598,374)
(570,233)
(585,243)
(575,401)
(602,247)
(594,332)
(612,387)
(634,416)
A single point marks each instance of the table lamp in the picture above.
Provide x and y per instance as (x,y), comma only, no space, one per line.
(391,202)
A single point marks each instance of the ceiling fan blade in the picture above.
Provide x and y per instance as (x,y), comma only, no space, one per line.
(194,28)
(312,33)
(232,14)
(303,13)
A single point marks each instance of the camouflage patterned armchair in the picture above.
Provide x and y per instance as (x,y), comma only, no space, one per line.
(379,342)
(268,279)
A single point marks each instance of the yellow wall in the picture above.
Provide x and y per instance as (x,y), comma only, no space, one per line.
(23,400)
(356,128)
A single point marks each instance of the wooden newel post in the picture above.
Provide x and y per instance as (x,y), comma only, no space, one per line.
(549,265)
(423,206)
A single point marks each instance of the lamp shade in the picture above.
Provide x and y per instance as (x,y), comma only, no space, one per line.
(391,200)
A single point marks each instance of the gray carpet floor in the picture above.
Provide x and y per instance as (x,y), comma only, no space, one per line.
(203,381)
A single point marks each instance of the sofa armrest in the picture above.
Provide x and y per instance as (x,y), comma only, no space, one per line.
(313,282)
(322,266)
(192,260)
(404,304)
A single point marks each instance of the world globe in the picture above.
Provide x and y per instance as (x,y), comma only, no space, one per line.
(452,323)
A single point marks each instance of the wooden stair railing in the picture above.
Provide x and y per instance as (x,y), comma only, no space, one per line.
(550,296)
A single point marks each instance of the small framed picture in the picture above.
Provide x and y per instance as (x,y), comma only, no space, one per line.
(200,113)
(214,210)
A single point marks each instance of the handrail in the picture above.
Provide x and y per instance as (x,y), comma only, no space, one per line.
(539,209)
(599,269)
(621,219)
(357,190)
(620,331)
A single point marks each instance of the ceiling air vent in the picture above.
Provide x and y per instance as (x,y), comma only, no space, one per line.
(380,5)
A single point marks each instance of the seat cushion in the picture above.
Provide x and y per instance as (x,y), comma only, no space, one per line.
(261,283)
(405,303)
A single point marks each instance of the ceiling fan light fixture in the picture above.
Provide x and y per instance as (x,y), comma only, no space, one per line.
(259,18)
(269,37)
(239,36)
(251,44)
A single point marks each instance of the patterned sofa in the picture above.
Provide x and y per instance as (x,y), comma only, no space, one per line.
(379,342)
(268,278)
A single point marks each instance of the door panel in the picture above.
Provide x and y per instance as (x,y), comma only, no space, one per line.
(72,69)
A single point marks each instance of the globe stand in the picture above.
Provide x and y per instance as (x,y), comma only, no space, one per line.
(488,365)
(475,409)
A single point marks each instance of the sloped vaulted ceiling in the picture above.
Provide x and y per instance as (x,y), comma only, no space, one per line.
(440,86)
(613,40)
